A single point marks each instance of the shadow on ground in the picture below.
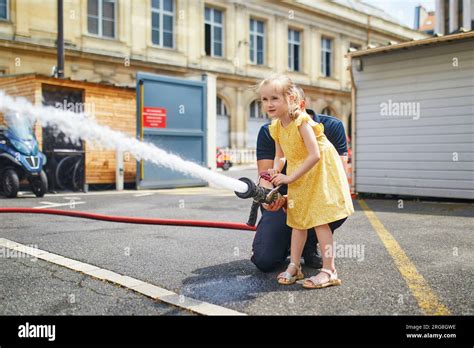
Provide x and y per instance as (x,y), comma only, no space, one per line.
(232,282)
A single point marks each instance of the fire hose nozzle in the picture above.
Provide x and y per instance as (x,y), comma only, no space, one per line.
(259,195)
(251,191)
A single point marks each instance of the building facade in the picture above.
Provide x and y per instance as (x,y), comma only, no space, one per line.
(424,20)
(451,15)
(237,41)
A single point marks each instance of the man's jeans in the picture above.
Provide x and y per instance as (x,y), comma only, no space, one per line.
(273,238)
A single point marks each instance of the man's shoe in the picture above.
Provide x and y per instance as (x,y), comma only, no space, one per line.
(313,260)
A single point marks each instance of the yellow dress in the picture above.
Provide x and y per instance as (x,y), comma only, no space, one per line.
(322,195)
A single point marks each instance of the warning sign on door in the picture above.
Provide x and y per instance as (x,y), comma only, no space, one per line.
(154,117)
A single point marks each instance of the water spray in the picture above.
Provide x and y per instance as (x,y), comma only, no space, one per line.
(78,126)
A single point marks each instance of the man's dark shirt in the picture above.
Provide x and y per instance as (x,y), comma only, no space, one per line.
(333,130)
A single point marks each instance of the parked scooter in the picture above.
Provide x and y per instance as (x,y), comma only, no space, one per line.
(20,158)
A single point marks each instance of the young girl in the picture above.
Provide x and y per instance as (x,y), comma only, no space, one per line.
(318,190)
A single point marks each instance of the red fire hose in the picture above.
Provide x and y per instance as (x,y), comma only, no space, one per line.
(131,220)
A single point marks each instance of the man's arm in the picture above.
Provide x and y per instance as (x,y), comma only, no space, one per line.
(279,161)
(337,136)
(264,166)
(265,160)
(344,163)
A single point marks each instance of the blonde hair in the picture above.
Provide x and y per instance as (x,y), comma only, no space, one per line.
(286,87)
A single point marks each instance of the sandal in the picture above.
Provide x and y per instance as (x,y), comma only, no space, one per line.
(313,283)
(285,278)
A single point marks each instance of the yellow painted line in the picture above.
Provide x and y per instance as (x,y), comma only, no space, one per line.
(424,295)
(144,288)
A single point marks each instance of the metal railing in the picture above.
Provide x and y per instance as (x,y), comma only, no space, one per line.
(241,156)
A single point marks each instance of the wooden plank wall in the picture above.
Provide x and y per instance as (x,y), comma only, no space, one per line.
(114,107)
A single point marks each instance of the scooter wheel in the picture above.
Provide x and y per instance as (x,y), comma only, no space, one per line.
(39,185)
(10,183)
(226,166)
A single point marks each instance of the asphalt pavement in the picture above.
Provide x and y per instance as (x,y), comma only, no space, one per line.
(213,265)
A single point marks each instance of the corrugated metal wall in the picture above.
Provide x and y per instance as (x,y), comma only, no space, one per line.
(415,121)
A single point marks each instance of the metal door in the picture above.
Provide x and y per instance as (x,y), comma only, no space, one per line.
(172,115)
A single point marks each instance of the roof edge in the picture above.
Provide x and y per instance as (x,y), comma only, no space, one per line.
(410,44)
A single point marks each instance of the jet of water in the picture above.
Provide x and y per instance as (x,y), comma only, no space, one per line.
(79,126)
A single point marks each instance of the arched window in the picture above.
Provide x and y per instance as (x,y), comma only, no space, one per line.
(221,109)
(327,111)
(222,124)
(255,121)
(255,110)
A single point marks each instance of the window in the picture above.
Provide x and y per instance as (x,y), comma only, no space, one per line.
(355,46)
(213,29)
(257,41)
(294,50)
(326,57)
(220,107)
(3,9)
(326,111)
(101,16)
(255,111)
(162,19)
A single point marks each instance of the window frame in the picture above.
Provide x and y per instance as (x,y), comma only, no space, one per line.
(355,45)
(292,43)
(213,24)
(256,34)
(256,109)
(325,51)
(329,109)
(161,12)
(100,18)
(7,11)
(223,107)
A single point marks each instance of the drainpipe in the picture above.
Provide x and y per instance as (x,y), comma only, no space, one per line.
(353,128)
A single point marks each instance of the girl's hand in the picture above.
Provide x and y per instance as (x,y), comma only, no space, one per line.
(281,179)
(272,172)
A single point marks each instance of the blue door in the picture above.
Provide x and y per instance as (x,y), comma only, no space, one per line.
(171,115)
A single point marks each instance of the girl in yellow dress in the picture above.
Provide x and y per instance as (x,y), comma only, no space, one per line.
(318,190)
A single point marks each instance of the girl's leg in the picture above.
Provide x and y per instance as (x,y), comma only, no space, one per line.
(326,243)
(298,239)
(293,272)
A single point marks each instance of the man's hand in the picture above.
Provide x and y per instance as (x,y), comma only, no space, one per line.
(277,205)
(267,166)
